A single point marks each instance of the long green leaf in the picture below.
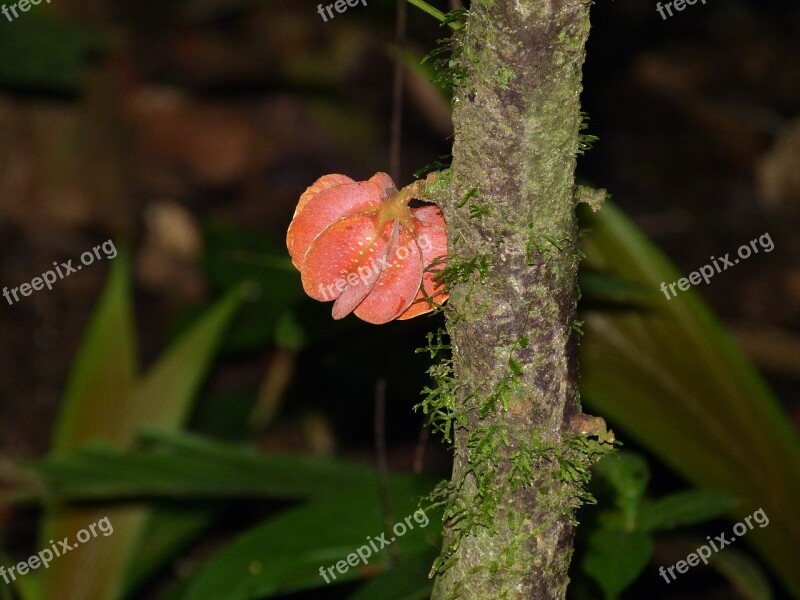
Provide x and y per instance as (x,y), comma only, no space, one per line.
(672,378)
(167,531)
(100,385)
(99,389)
(744,573)
(165,395)
(290,552)
(176,378)
(182,466)
(103,401)
(683,508)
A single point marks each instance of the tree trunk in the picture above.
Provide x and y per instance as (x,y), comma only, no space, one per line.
(519,473)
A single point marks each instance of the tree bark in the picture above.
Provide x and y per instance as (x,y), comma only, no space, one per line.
(511,209)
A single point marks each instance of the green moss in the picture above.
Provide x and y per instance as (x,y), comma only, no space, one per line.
(459,270)
(503,77)
(444,58)
(509,204)
(437,186)
(541,244)
(470,504)
(585,140)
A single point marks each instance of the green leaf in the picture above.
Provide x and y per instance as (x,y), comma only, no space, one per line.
(101,381)
(182,466)
(169,529)
(516,366)
(289,333)
(684,508)
(234,256)
(98,392)
(286,553)
(602,286)
(614,559)
(744,573)
(103,401)
(434,12)
(406,580)
(627,474)
(165,395)
(672,379)
(43,52)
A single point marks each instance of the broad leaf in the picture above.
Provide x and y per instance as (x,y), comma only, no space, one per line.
(104,402)
(235,256)
(293,550)
(684,508)
(628,475)
(102,377)
(168,530)
(182,466)
(99,390)
(670,377)
(615,558)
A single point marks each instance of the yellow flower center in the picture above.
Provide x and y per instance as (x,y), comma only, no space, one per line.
(395,206)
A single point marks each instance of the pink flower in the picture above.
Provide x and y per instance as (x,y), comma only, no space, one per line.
(359,244)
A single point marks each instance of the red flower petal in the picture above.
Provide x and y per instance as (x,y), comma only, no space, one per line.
(384,183)
(369,275)
(323,209)
(432,240)
(345,260)
(381,275)
(431,233)
(323,183)
(398,283)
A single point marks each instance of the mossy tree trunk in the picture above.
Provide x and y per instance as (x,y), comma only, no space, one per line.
(510,212)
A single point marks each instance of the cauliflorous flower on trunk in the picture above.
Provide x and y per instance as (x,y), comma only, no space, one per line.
(360,244)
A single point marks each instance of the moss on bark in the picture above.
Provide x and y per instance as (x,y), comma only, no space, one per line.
(517,119)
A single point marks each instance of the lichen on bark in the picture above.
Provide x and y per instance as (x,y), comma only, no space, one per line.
(514,348)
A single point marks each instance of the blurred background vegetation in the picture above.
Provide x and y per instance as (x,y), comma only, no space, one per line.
(231,423)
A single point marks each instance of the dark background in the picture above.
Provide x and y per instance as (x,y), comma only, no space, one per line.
(192,117)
